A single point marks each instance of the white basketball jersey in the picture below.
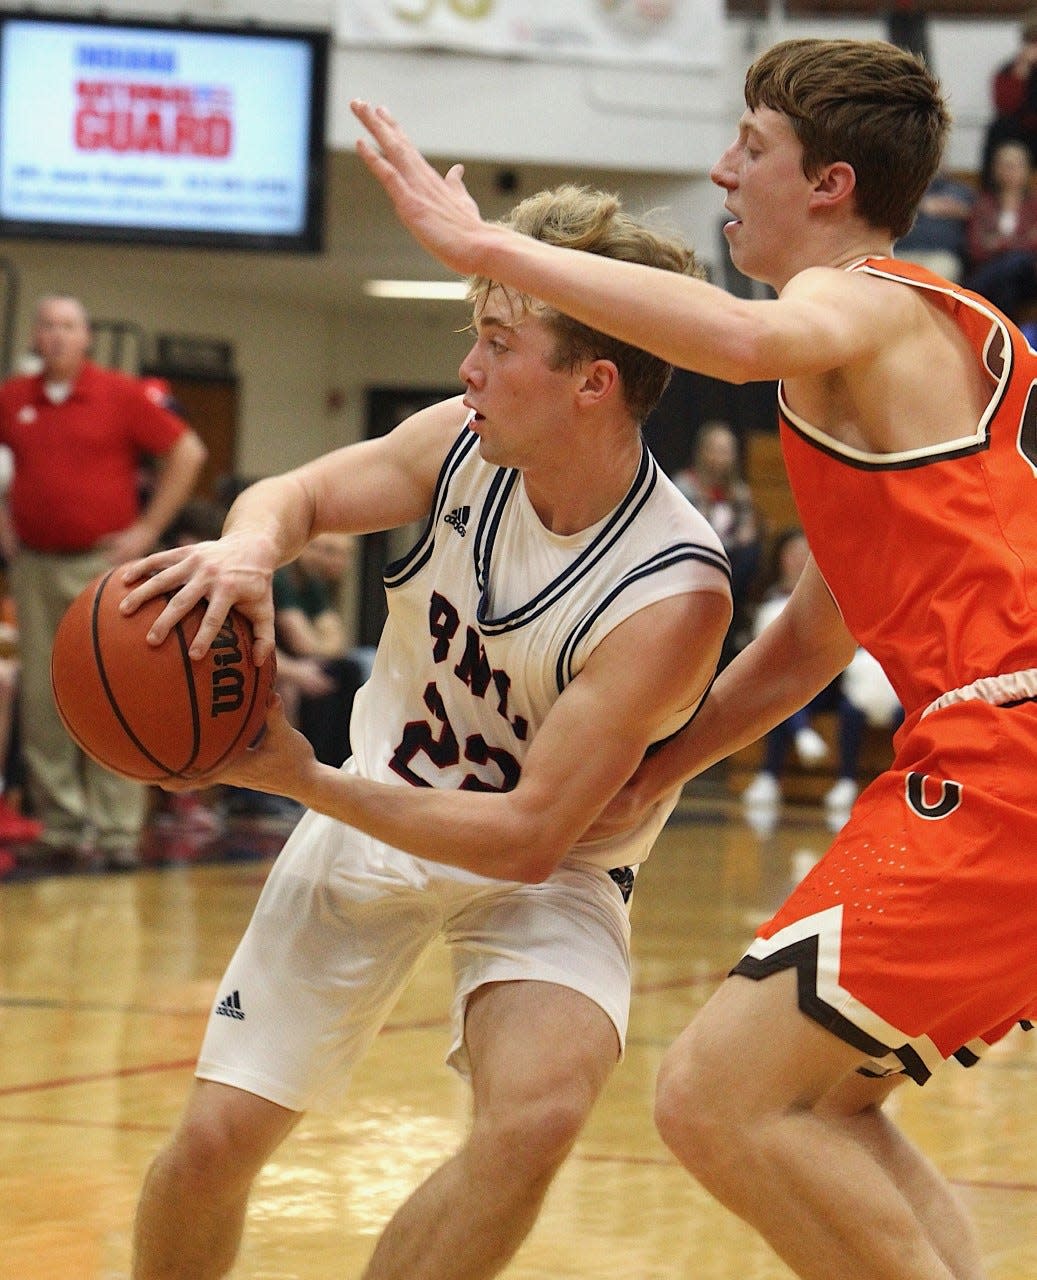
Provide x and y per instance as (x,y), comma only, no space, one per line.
(491,616)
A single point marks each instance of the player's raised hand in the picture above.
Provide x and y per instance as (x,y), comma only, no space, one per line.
(436,209)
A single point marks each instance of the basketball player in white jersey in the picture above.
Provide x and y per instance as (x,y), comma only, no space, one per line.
(525,668)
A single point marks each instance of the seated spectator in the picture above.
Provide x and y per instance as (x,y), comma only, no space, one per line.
(937,240)
(763,794)
(1002,233)
(316,675)
(866,699)
(1014,93)
(713,483)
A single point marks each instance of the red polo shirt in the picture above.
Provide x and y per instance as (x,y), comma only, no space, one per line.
(76,463)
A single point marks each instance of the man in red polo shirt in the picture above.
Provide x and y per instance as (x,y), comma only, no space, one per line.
(78,433)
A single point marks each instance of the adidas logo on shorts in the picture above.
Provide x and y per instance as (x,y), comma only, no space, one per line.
(230,1006)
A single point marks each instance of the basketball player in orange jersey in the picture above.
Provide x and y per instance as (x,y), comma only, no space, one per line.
(909,424)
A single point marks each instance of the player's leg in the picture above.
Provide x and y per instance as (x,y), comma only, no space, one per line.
(540,1055)
(755,1100)
(192,1207)
(331,944)
(857,1104)
(540,1012)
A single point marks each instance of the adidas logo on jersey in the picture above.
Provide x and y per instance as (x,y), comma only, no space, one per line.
(458,519)
(230,1006)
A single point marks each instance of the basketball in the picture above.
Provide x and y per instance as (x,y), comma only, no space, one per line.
(150,712)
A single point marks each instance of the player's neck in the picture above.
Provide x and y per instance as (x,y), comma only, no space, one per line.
(581,489)
(837,252)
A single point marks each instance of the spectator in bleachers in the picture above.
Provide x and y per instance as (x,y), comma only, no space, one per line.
(866,700)
(316,675)
(713,483)
(15,827)
(763,794)
(862,697)
(1002,232)
(1014,93)
(938,238)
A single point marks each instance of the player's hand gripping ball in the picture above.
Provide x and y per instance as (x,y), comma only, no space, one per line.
(151,712)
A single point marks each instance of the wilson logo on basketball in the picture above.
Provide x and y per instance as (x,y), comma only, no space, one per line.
(228,678)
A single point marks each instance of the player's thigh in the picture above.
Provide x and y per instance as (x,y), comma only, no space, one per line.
(751,1051)
(571,932)
(333,941)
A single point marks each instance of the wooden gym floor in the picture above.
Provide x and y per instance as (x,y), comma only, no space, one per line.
(105,981)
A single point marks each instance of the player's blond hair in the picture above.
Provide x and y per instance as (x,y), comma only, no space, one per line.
(866,102)
(577,217)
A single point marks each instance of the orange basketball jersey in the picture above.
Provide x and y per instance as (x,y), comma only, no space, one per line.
(931,554)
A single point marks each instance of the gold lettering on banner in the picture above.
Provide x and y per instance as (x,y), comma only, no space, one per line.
(470,10)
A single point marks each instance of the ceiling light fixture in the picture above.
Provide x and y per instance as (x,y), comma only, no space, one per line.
(434,290)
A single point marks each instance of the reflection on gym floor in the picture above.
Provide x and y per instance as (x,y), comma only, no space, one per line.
(105,982)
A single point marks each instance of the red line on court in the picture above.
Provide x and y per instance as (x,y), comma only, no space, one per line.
(66,1122)
(180,1064)
(65,1082)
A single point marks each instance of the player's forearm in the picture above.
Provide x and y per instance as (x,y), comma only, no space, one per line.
(487,833)
(762,687)
(683,320)
(278,513)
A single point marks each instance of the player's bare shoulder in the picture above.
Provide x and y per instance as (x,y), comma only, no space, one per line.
(860,297)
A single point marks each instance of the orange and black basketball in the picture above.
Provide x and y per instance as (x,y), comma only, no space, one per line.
(151,712)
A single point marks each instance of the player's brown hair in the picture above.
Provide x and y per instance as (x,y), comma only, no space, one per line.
(866,102)
(577,217)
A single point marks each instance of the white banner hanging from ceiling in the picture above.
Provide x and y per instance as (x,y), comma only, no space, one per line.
(675,33)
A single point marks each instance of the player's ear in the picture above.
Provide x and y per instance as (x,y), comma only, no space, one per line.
(834,183)
(600,378)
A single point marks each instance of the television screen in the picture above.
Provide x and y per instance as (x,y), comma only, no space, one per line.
(208,136)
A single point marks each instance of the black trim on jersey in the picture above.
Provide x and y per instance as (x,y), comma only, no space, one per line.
(659,743)
(615,528)
(618,521)
(623,877)
(665,559)
(802,956)
(412,561)
(911,464)
(492,514)
(935,455)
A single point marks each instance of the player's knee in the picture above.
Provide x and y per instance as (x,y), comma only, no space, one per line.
(691,1119)
(201,1154)
(225,1140)
(532,1139)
